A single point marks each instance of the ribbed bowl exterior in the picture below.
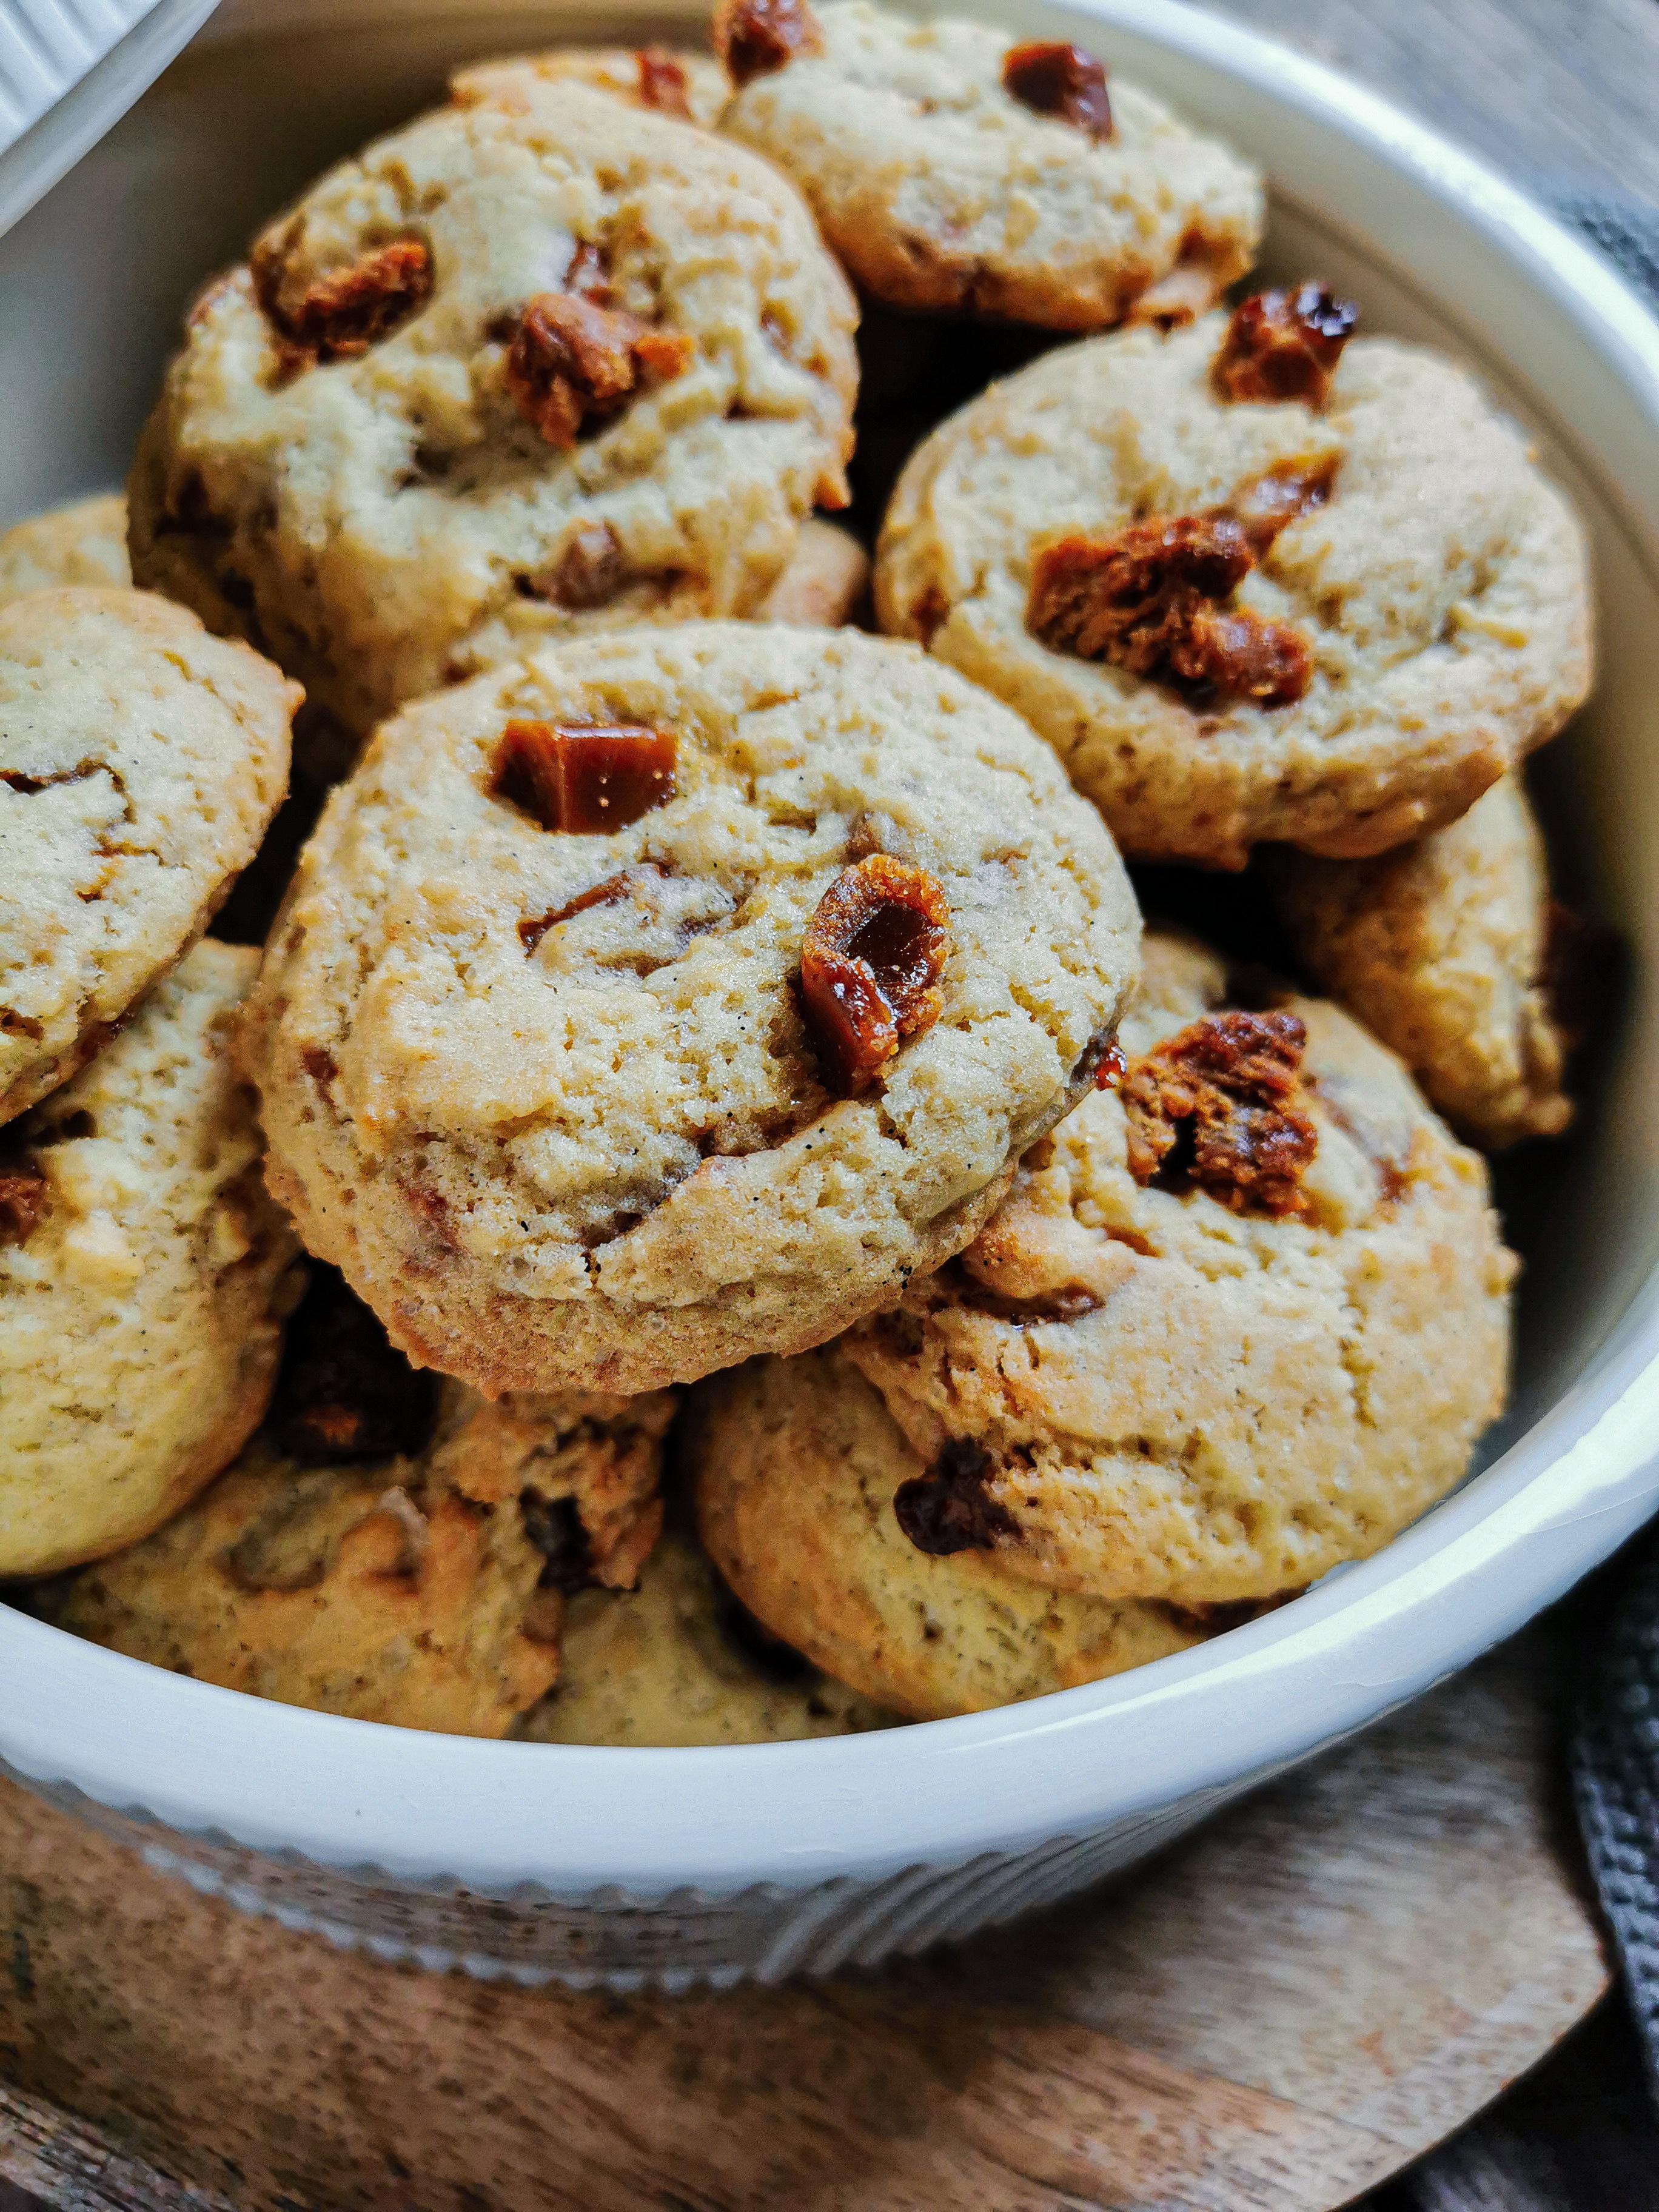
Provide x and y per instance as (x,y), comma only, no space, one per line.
(612,1940)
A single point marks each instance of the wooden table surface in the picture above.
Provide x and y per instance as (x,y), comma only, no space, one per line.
(1564,94)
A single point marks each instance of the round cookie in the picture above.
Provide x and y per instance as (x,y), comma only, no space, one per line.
(1148,570)
(942,189)
(825,578)
(1238,1321)
(140,763)
(796,1462)
(85,543)
(412,1590)
(692,86)
(1442,948)
(679,1661)
(523,369)
(551,1099)
(143,1279)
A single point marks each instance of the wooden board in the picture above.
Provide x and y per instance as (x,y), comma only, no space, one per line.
(1279,2013)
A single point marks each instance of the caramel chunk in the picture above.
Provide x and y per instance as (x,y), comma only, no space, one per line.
(1290,489)
(590,569)
(573,361)
(1067,82)
(1151,600)
(341,314)
(755,37)
(875,949)
(949,1509)
(1217,1108)
(555,1527)
(584,777)
(608,893)
(343,1392)
(24,1196)
(1284,345)
(662,82)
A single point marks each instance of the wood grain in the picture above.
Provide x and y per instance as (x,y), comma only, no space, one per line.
(1279,2014)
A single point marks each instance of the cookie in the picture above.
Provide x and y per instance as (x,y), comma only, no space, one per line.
(951,169)
(85,543)
(1442,948)
(139,762)
(679,1662)
(1333,620)
(143,1279)
(385,1552)
(795,1464)
(1239,1320)
(824,582)
(692,86)
(522,370)
(609,1108)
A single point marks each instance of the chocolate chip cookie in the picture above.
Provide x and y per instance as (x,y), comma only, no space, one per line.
(144,1275)
(674,996)
(953,168)
(526,368)
(1254,580)
(141,761)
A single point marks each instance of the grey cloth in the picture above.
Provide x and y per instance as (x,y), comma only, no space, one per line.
(1615,1752)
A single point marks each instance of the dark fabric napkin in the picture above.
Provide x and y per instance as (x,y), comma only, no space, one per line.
(1615,1752)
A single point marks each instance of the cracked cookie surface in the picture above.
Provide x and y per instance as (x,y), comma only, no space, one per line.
(795,1464)
(1443,948)
(1434,588)
(670,79)
(1154,1393)
(85,543)
(144,1276)
(411,1589)
(679,1661)
(141,761)
(941,190)
(527,368)
(548,1097)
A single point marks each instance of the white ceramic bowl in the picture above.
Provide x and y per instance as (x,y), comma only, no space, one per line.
(626,1866)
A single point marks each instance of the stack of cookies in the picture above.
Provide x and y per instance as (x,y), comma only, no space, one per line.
(594,1147)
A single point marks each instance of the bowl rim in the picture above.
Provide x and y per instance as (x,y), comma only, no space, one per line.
(616,1826)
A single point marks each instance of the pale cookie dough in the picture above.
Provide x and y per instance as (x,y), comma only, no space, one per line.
(412,1590)
(386,519)
(1441,948)
(1140,1392)
(140,763)
(85,543)
(548,1097)
(796,1462)
(692,86)
(824,582)
(1443,590)
(941,190)
(143,1279)
(677,1661)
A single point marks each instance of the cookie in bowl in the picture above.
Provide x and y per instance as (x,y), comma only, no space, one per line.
(795,1464)
(390,1548)
(141,761)
(953,169)
(1254,580)
(523,370)
(1241,1317)
(671,997)
(1445,948)
(144,1276)
(85,543)
(668,78)
(677,1660)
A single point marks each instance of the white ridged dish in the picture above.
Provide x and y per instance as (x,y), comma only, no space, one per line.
(678,1866)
